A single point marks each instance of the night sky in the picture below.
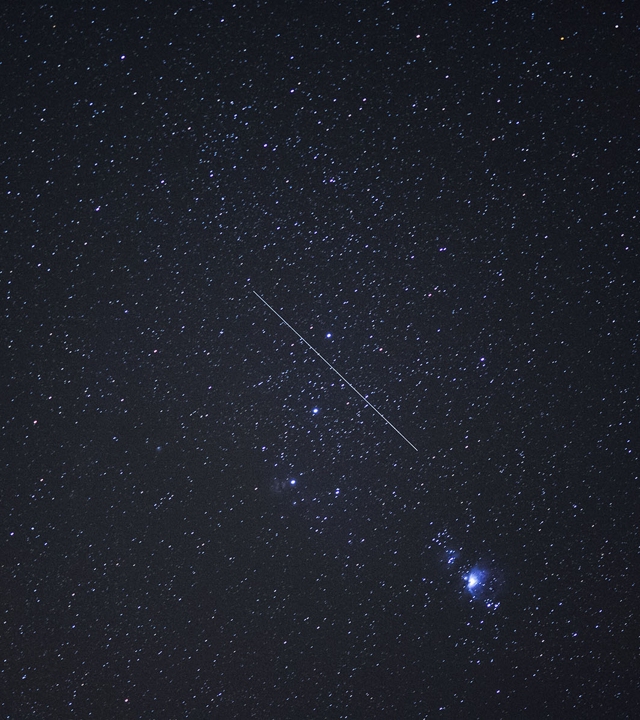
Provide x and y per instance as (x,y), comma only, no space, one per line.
(198,517)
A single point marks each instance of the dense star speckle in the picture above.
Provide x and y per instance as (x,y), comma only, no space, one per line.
(200,518)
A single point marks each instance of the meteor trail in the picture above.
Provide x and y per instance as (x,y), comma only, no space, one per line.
(342,377)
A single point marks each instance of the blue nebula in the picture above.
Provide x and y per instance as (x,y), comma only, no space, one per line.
(475,580)
(484,582)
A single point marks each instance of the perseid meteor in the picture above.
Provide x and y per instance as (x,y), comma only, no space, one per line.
(342,377)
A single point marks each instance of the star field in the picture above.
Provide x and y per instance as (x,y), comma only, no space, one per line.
(199,518)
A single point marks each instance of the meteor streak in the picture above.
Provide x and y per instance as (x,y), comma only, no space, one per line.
(342,377)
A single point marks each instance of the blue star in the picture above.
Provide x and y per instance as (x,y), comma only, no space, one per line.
(452,556)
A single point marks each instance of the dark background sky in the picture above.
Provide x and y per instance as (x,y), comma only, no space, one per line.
(198,518)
